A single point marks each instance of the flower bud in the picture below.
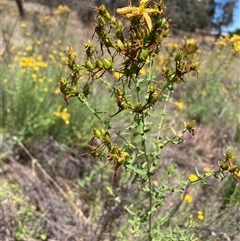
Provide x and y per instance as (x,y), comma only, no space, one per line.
(224,166)
(107,64)
(138,108)
(97,133)
(99,64)
(233,168)
(101,21)
(178,57)
(88,65)
(144,54)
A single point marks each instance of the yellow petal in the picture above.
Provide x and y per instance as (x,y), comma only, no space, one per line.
(148,20)
(132,14)
(126,10)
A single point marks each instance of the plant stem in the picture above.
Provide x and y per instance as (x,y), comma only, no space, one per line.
(149,163)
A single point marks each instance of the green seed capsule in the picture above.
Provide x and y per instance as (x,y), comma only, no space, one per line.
(163,22)
(224,166)
(97,133)
(144,54)
(89,65)
(138,108)
(233,169)
(107,15)
(101,21)
(107,64)
(120,44)
(170,87)
(99,64)
(86,90)
(178,57)
(125,155)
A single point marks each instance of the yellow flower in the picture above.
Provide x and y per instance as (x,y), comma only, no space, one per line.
(5,81)
(34,76)
(191,41)
(207,169)
(179,105)
(45,90)
(155,183)
(143,71)
(12,48)
(23,25)
(57,91)
(238,174)
(62,10)
(45,21)
(193,178)
(131,12)
(29,48)
(64,115)
(117,75)
(38,42)
(188,198)
(200,215)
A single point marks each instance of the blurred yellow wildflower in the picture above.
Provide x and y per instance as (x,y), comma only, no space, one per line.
(23,25)
(64,115)
(57,91)
(200,215)
(38,42)
(155,183)
(192,178)
(13,13)
(34,76)
(62,10)
(143,71)
(12,48)
(52,58)
(180,105)
(57,42)
(45,89)
(8,110)
(131,12)
(233,42)
(32,62)
(206,169)
(117,75)
(188,198)
(45,21)
(238,173)
(29,48)
(5,81)
(191,41)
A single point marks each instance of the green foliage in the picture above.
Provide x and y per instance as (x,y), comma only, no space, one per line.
(217,89)
(127,96)
(30,106)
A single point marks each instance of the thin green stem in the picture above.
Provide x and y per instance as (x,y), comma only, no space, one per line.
(149,164)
